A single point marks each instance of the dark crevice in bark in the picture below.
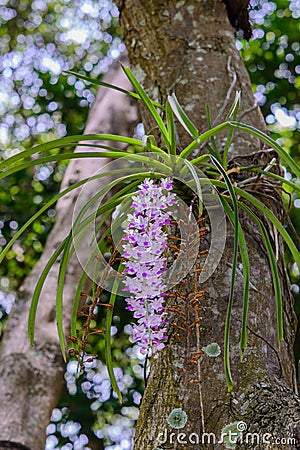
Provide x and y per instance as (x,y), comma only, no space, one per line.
(238,15)
(9,445)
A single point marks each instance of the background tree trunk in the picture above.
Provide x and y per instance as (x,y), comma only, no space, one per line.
(189,48)
(31,379)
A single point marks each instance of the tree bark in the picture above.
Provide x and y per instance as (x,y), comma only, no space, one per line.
(189,48)
(32,378)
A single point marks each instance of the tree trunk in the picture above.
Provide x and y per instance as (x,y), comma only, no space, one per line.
(32,378)
(189,48)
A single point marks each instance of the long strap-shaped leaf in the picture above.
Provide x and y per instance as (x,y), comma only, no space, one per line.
(38,289)
(148,103)
(140,158)
(111,86)
(286,158)
(202,138)
(55,158)
(59,295)
(233,274)
(182,117)
(274,271)
(68,251)
(68,140)
(114,153)
(294,186)
(82,280)
(56,198)
(268,213)
(171,129)
(195,176)
(246,274)
(108,322)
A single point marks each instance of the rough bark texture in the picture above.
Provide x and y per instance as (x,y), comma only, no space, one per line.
(188,47)
(31,379)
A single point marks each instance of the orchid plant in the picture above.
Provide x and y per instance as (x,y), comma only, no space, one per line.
(145,242)
(149,195)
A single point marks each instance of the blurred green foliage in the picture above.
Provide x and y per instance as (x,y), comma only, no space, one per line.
(273,61)
(38,41)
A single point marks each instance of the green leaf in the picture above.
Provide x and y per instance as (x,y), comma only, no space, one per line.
(148,103)
(194,174)
(111,86)
(214,149)
(235,219)
(108,355)
(285,157)
(231,115)
(268,213)
(140,158)
(202,138)
(246,274)
(274,271)
(57,197)
(182,117)
(38,289)
(59,295)
(171,129)
(294,186)
(56,158)
(69,140)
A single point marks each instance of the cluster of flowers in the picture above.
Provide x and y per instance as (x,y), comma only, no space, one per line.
(145,242)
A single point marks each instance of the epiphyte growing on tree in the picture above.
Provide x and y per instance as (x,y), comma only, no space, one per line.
(145,242)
